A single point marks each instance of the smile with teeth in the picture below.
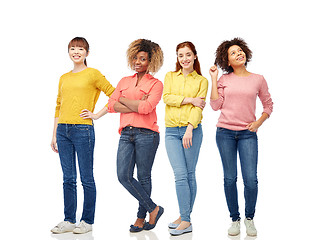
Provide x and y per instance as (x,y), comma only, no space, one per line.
(240,58)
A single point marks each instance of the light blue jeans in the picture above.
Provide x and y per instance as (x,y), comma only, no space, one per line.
(184,162)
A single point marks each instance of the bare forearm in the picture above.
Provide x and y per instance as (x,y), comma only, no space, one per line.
(119,107)
(131,104)
(55,126)
(101,113)
(263,118)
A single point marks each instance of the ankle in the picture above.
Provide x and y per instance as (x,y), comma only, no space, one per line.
(183,225)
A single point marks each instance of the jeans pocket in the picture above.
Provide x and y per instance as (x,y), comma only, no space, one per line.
(146,131)
(81,127)
(219,129)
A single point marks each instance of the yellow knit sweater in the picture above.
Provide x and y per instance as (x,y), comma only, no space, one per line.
(78,91)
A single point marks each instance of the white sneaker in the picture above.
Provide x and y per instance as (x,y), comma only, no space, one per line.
(83,227)
(250,227)
(234,229)
(63,227)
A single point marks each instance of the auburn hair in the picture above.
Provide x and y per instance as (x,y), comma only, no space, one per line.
(191,46)
(79,42)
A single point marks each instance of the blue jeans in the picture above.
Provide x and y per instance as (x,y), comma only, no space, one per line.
(184,162)
(137,146)
(246,144)
(79,139)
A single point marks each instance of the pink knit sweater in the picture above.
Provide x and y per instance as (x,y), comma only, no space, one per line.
(237,100)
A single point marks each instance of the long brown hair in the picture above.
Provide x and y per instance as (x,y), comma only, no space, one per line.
(191,46)
(79,42)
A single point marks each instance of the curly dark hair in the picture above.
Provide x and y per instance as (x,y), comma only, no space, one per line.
(221,53)
(155,54)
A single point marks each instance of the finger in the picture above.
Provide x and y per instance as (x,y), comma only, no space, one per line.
(54,148)
(184,144)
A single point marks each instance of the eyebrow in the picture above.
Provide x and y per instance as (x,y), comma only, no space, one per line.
(190,52)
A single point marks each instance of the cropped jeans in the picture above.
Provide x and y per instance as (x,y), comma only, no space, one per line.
(137,147)
(72,140)
(183,162)
(244,142)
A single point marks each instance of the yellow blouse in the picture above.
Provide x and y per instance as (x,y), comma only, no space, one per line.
(78,91)
(176,88)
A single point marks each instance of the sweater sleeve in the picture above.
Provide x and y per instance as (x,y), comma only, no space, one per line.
(195,115)
(58,100)
(218,103)
(114,97)
(265,97)
(147,106)
(169,98)
(103,84)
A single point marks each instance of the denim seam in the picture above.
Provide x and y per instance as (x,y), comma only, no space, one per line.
(130,182)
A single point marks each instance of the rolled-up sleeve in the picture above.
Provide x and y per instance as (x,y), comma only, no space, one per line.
(147,106)
(114,98)
(195,115)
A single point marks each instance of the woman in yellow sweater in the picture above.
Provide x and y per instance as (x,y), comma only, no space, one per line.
(73,133)
(184,95)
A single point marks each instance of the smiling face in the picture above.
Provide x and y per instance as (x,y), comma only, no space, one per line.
(186,58)
(77,54)
(236,57)
(141,62)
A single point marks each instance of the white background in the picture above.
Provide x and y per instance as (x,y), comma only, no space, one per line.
(34,39)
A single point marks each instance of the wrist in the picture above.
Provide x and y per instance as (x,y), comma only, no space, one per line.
(187,100)
(190,127)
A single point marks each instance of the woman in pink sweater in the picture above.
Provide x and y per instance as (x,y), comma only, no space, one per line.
(235,95)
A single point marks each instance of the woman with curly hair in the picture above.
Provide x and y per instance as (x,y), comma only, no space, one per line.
(136,97)
(235,95)
(184,94)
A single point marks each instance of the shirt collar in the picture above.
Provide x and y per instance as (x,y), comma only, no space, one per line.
(193,74)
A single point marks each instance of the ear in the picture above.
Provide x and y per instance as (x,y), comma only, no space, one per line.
(87,53)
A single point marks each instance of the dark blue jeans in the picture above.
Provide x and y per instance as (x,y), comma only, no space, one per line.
(79,139)
(137,146)
(246,144)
